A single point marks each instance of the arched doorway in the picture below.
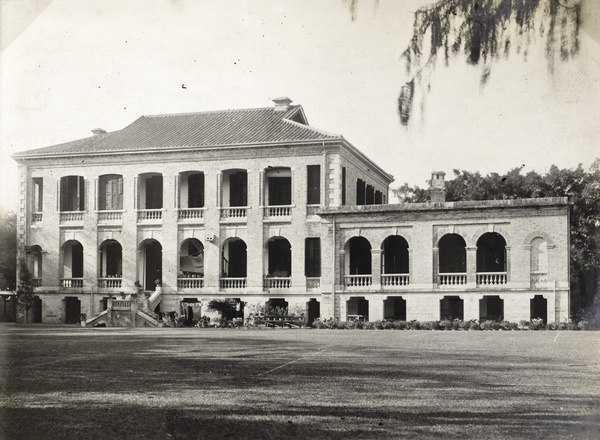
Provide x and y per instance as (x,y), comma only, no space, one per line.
(491,259)
(538,307)
(150,270)
(452,260)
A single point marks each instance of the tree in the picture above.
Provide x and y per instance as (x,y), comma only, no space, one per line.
(583,190)
(25,297)
(482,31)
(226,307)
(8,250)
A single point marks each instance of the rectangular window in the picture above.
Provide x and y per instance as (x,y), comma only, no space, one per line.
(111,193)
(72,193)
(196,191)
(280,191)
(378,198)
(312,257)
(38,194)
(360,192)
(370,196)
(343,185)
(313,184)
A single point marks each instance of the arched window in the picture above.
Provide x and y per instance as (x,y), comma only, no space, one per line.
(72,270)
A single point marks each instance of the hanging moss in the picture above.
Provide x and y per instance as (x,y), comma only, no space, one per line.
(481,30)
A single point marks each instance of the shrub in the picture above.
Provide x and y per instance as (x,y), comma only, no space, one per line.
(583,325)
(537,324)
(474,325)
(388,325)
(507,325)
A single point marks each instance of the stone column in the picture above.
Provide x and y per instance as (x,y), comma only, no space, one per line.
(472,266)
(376,269)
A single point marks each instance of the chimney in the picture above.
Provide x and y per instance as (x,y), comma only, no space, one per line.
(282,104)
(437,187)
(98,131)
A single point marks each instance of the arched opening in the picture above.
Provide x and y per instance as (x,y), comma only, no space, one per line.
(491,259)
(357,309)
(111,263)
(150,191)
(278,186)
(191,189)
(191,264)
(150,269)
(491,308)
(235,188)
(538,306)
(234,264)
(394,308)
(110,192)
(452,260)
(538,262)
(72,271)
(394,261)
(358,263)
(35,265)
(451,308)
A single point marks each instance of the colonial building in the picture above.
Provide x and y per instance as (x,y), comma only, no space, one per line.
(259,206)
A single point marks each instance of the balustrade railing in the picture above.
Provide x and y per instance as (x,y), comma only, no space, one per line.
(110,216)
(234,213)
(358,280)
(277,282)
(71,282)
(145,215)
(538,279)
(277,211)
(232,283)
(120,304)
(110,282)
(313,282)
(188,214)
(71,216)
(491,278)
(190,283)
(36,217)
(452,279)
(394,280)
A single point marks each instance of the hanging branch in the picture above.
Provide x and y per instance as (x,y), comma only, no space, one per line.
(482,30)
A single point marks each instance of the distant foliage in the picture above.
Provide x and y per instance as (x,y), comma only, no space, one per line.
(8,250)
(583,189)
(482,31)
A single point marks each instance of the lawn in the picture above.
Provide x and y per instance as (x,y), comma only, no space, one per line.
(74,383)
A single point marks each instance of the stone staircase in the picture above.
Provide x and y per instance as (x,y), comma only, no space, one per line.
(132,312)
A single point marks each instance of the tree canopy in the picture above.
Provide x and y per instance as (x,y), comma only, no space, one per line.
(583,189)
(8,246)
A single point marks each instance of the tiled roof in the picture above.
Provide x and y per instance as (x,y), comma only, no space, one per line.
(205,129)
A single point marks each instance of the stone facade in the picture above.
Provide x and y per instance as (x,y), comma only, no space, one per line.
(300,220)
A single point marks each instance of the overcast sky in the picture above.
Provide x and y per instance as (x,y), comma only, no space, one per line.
(68,66)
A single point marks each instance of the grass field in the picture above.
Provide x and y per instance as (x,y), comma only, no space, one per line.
(76,383)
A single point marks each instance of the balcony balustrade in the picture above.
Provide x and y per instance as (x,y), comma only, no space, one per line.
(36,217)
(277,212)
(190,283)
(71,217)
(313,283)
(237,213)
(110,283)
(452,279)
(111,216)
(277,282)
(232,283)
(394,280)
(538,279)
(190,214)
(491,278)
(71,283)
(150,215)
(358,281)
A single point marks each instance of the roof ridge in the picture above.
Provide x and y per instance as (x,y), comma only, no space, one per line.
(229,110)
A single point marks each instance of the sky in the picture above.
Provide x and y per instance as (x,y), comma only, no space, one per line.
(69,66)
